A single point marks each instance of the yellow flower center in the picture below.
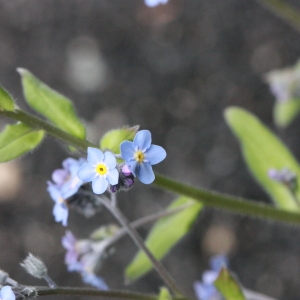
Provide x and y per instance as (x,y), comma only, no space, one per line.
(139,156)
(101,169)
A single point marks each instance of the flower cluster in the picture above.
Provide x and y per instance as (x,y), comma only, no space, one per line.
(284,176)
(83,256)
(68,189)
(205,289)
(102,170)
(65,184)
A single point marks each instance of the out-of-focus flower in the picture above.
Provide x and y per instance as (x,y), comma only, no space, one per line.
(66,178)
(60,210)
(140,155)
(65,184)
(153,3)
(205,289)
(285,176)
(100,169)
(84,256)
(285,83)
(6,293)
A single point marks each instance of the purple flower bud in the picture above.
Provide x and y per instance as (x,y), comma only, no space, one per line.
(126,179)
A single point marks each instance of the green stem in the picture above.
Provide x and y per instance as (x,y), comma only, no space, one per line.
(284,11)
(40,124)
(164,274)
(97,293)
(208,198)
(238,205)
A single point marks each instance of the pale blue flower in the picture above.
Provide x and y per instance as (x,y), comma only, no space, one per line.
(205,289)
(67,178)
(59,196)
(6,293)
(153,3)
(140,155)
(94,280)
(100,169)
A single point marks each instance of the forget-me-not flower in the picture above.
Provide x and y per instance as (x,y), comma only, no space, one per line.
(65,184)
(6,293)
(83,256)
(140,155)
(100,169)
(59,196)
(153,3)
(205,289)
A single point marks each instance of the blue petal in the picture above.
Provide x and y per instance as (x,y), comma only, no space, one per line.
(145,173)
(86,172)
(6,293)
(155,154)
(94,280)
(110,160)
(113,176)
(127,150)
(133,165)
(60,214)
(99,185)
(94,156)
(142,139)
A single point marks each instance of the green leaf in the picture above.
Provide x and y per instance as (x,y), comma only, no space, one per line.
(164,294)
(164,235)
(6,101)
(18,139)
(52,105)
(113,138)
(263,151)
(228,286)
(285,112)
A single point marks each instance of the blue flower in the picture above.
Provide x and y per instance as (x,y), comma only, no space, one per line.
(6,293)
(153,3)
(94,280)
(59,196)
(205,289)
(140,155)
(100,169)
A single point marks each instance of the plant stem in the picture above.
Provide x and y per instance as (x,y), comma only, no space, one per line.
(40,124)
(141,245)
(238,205)
(42,291)
(284,11)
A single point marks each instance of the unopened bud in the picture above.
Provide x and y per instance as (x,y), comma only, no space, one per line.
(126,179)
(34,266)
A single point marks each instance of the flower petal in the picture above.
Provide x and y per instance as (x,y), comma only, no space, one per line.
(94,156)
(113,176)
(132,165)
(99,185)
(155,154)
(110,160)
(60,214)
(127,150)
(143,139)
(6,293)
(145,173)
(59,176)
(86,172)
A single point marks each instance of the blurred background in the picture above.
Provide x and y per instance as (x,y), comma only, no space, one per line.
(173,69)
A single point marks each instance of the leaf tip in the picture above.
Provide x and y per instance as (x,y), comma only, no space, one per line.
(21,71)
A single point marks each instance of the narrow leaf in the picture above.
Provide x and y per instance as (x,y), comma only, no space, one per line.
(228,286)
(113,138)
(285,112)
(52,105)
(263,151)
(18,139)
(164,235)
(6,101)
